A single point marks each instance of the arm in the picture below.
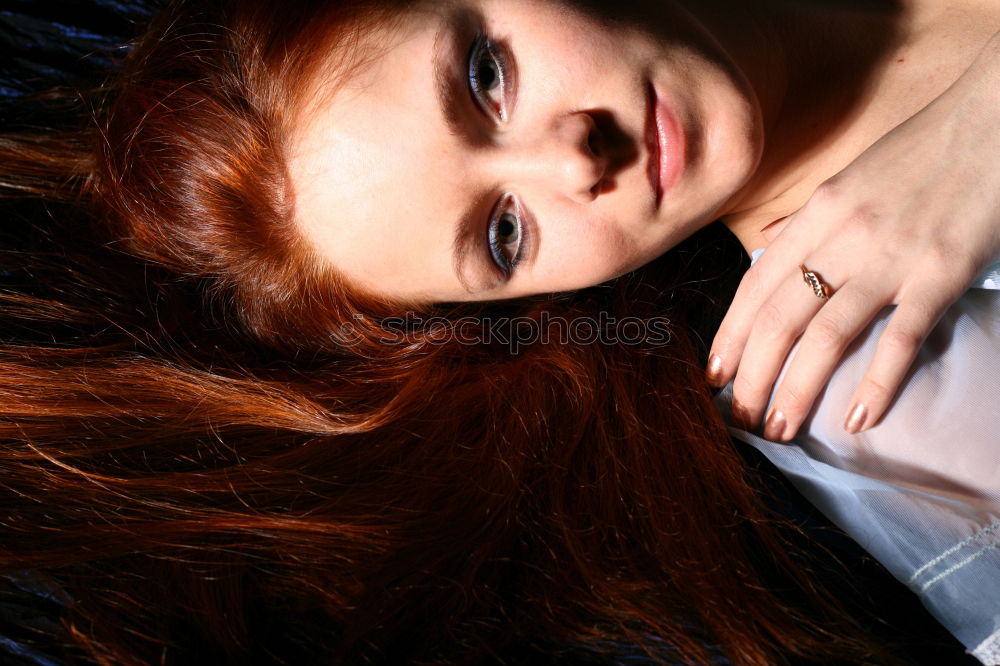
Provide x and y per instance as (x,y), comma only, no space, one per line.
(910,222)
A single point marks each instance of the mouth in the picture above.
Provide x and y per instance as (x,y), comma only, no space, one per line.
(665,144)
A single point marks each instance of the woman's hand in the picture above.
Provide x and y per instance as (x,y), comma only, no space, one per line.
(911,222)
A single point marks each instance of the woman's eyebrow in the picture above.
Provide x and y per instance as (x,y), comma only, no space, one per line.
(467,241)
(452,94)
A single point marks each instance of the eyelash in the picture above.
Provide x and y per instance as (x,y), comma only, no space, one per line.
(483,48)
(503,208)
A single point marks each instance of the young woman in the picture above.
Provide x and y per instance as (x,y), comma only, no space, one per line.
(586,148)
(211,431)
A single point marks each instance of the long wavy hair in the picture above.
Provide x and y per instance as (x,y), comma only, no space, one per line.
(224,456)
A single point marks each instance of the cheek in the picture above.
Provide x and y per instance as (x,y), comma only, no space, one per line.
(582,253)
(568,49)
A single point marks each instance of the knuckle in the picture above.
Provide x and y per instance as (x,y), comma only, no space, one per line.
(949,257)
(747,391)
(875,392)
(863,216)
(795,401)
(865,221)
(901,341)
(826,332)
(834,199)
(924,311)
(828,195)
(752,282)
(837,195)
(721,343)
(771,321)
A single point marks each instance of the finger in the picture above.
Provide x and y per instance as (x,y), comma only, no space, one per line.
(778,324)
(773,230)
(896,350)
(730,339)
(758,284)
(840,321)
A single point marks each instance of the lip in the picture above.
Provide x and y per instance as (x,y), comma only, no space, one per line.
(666,146)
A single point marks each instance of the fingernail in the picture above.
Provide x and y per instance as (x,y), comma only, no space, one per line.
(774,427)
(741,416)
(856,419)
(714,372)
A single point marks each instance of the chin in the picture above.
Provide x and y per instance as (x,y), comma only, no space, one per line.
(733,146)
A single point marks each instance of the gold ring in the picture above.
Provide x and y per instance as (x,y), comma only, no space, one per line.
(820,288)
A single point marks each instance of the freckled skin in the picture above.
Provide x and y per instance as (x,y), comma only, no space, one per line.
(380,180)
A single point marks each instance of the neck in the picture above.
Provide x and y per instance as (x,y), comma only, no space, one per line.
(809,64)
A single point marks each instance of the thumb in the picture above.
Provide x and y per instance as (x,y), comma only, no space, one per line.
(771,231)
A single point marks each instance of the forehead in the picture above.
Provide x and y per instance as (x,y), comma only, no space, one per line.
(374,180)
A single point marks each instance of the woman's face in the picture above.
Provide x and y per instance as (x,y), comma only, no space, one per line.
(500,148)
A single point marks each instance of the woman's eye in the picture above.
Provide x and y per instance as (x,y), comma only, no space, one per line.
(490,77)
(505,236)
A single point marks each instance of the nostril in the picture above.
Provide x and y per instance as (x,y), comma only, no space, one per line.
(594,141)
(609,149)
(600,187)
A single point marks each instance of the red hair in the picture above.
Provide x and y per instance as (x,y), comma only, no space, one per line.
(194,448)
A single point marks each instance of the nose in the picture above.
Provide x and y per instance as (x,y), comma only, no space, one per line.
(567,156)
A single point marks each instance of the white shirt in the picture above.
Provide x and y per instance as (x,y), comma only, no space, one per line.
(920,491)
